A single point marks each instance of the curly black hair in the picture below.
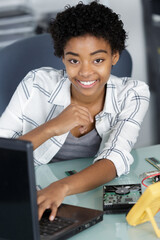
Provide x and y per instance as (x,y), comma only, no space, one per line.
(94,19)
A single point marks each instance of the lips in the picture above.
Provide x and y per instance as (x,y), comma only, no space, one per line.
(87,84)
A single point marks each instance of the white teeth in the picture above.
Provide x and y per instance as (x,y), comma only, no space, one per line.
(87,83)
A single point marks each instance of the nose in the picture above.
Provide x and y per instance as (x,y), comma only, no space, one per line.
(85,70)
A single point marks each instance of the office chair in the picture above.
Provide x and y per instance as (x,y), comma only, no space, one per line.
(17,59)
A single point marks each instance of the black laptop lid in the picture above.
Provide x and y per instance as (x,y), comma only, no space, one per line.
(18,206)
(18,198)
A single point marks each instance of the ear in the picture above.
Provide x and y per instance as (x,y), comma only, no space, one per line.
(63,58)
(115,57)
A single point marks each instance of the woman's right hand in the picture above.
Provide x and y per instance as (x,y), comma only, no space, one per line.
(71,117)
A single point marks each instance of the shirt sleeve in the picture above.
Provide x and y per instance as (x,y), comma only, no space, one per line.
(11,121)
(124,132)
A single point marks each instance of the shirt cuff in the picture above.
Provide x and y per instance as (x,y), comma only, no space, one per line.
(121,159)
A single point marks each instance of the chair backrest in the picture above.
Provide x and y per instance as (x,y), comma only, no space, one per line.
(17,59)
(123,67)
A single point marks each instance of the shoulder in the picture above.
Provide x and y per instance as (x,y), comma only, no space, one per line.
(44,79)
(128,85)
(45,76)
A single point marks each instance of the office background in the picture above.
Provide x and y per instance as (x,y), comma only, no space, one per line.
(132,14)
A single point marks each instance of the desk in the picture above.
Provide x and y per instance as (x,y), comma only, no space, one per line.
(114,226)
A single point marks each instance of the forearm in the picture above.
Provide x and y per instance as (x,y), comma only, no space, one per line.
(93,176)
(40,134)
(60,125)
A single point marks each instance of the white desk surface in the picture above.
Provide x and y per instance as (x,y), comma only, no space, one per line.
(114,226)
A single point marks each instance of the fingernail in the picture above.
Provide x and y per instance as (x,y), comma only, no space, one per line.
(51,218)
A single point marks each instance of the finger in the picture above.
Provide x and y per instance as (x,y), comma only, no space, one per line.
(81,118)
(89,115)
(53,212)
(77,109)
(41,208)
(86,112)
(82,129)
(82,123)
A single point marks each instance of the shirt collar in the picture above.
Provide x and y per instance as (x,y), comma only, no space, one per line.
(61,94)
(111,100)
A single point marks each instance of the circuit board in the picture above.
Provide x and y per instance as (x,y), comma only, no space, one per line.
(120,198)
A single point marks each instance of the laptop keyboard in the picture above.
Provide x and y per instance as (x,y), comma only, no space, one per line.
(48,227)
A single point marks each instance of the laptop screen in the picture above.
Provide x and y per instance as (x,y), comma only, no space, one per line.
(15,198)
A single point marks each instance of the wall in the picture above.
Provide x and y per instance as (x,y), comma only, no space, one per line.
(51,5)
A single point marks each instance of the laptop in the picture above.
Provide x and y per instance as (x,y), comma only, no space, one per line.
(18,200)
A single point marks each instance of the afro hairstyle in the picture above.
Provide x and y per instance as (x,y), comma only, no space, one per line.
(94,19)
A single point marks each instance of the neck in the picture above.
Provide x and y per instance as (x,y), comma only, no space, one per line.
(88,101)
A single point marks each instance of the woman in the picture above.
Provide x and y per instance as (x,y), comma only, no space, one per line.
(85,105)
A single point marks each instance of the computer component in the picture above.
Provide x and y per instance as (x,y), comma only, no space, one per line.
(120,198)
(148,174)
(70,172)
(154,162)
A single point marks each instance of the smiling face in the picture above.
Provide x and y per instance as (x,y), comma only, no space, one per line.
(88,61)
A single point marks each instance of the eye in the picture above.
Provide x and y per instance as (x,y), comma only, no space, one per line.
(73,61)
(99,60)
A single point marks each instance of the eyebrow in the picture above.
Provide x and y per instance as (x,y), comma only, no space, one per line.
(93,53)
(98,51)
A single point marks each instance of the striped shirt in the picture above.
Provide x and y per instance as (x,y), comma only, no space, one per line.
(44,93)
